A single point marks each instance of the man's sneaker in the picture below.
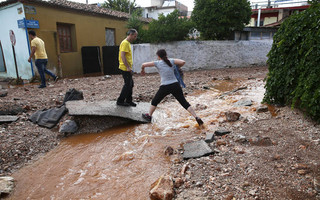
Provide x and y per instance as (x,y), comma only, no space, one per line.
(41,86)
(132,104)
(199,120)
(147,117)
(56,79)
(122,104)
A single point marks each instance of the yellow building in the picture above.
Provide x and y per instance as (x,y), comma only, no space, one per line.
(67,28)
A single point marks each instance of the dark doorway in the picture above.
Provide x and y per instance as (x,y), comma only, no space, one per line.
(110,60)
(91,60)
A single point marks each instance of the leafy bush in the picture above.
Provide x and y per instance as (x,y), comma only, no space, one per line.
(167,28)
(294,63)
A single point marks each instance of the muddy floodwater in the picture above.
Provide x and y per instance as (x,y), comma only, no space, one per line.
(123,162)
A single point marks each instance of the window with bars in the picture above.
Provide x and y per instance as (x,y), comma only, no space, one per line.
(110,38)
(65,37)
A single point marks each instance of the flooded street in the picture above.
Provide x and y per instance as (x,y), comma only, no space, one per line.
(123,162)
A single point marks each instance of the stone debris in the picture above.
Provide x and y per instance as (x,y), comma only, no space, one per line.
(69,126)
(196,149)
(244,102)
(6,185)
(8,118)
(232,116)
(262,109)
(209,137)
(162,189)
(221,132)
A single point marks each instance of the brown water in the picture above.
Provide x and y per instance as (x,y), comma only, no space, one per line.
(123,162)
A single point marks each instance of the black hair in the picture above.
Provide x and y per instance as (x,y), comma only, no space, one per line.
(32,33)
(163,55)
(132,31)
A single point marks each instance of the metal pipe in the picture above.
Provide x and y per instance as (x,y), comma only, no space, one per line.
(259,13)
(25,27)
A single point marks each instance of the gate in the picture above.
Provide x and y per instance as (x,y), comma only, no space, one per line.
(110,60)
(91,60)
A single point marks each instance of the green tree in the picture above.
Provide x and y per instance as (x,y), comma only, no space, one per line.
(218,19)
(168,28)
(294,58)
(135,22)
(123,6)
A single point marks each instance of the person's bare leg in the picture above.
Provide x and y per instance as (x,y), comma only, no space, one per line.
(152,109)
(193,113)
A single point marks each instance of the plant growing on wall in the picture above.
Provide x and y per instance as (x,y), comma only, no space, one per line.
(294,70)
(218,19)
(168,28)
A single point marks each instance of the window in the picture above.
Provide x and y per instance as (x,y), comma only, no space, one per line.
(66,36)
(110,39)
(2,62)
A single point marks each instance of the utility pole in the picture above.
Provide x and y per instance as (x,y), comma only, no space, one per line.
(129,7)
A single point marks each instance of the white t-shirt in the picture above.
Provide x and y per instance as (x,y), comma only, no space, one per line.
(166,72)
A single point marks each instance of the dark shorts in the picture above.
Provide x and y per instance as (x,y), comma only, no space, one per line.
(173,89)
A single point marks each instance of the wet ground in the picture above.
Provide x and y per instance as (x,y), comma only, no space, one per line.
(123,162)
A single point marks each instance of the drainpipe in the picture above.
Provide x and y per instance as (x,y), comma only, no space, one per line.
(25,27)
(259,13)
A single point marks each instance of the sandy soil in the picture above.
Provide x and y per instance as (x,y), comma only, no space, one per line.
(275,156)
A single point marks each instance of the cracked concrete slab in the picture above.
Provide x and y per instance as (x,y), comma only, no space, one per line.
(108,108)
(8,118)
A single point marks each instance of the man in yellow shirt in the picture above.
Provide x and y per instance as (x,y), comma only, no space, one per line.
(38,50)
(125,65)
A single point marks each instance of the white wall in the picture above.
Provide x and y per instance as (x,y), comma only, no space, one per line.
(205,54)
(8,18)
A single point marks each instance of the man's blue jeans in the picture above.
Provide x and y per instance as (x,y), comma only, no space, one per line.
(41,65)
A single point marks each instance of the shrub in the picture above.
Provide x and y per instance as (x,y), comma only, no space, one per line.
(167,28)
(294,63)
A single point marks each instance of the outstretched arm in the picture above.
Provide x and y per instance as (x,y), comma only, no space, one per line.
(144,65)
(179,62)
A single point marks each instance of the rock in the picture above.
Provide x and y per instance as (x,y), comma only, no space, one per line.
(196,149)
(162,189)
(221,142)
(258,141)
(209,137)
(178,182)
(11,110)
(69,126)
(220,160)
(241,139)
(3,93)
(316,183)
(6,185)
(168,151)
(8,118)
(221,132)
(245,102)
(262,109)
(303,171)
(200,107)
(301,166)
(239,150)
(253,192)
(232,116)
(184,168)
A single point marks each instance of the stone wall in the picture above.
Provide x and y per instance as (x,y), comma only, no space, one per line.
(205,54)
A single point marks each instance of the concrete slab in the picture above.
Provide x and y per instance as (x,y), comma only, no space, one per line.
(108,108)
(8,118)
(196,149)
